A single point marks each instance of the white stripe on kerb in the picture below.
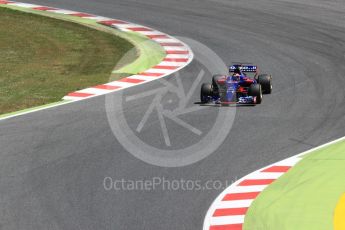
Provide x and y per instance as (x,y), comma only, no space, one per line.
(158,71)
(235,204)
(98,18)
(146,78)
(288,162)
(127,25)
(120,83)
(64,11)
(177,56)
(175,48)
(264,175)
(150,32)
(171,63)
(94,91)
(162,40)
(24,5)
(72,98)
(244,189)
(222,220)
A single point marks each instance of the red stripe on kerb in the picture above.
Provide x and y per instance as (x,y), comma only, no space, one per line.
(44,8)
(75,94)
(277,169)
(230,211)
(157,36)
(139,29)
(164,67)
(108,87)
(5,2)
(131,80)
(256,182)
(151,74)
(82,15)
(177,52)
(241,196)
(226,227)
(170,44)
(110,22)
(176,59)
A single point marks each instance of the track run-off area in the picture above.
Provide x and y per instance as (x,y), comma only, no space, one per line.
(53,162)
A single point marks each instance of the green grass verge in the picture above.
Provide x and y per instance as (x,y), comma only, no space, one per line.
(42,59)
(305,197)
(150,53)
(37,108)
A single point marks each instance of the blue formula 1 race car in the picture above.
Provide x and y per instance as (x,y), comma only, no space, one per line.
(238,87)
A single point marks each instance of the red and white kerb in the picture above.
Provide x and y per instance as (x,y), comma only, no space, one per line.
(229,209)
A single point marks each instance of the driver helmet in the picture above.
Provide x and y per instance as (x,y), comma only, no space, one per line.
(237,71)
(236,77)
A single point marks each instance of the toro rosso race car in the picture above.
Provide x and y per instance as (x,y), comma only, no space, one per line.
(243,85)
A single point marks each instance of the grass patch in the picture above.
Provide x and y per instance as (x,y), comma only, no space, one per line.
(42,59)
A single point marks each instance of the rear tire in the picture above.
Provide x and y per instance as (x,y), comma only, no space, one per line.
(255,91)
(205,92)
(265,81)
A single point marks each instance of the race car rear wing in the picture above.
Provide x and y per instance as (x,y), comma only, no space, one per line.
(244,68)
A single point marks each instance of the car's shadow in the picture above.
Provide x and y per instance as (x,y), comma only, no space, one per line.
(224,104)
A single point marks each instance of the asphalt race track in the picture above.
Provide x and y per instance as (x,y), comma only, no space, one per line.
(53,162)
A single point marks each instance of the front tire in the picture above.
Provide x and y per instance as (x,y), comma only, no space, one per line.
(265,81)
(206,92)
(255,91)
